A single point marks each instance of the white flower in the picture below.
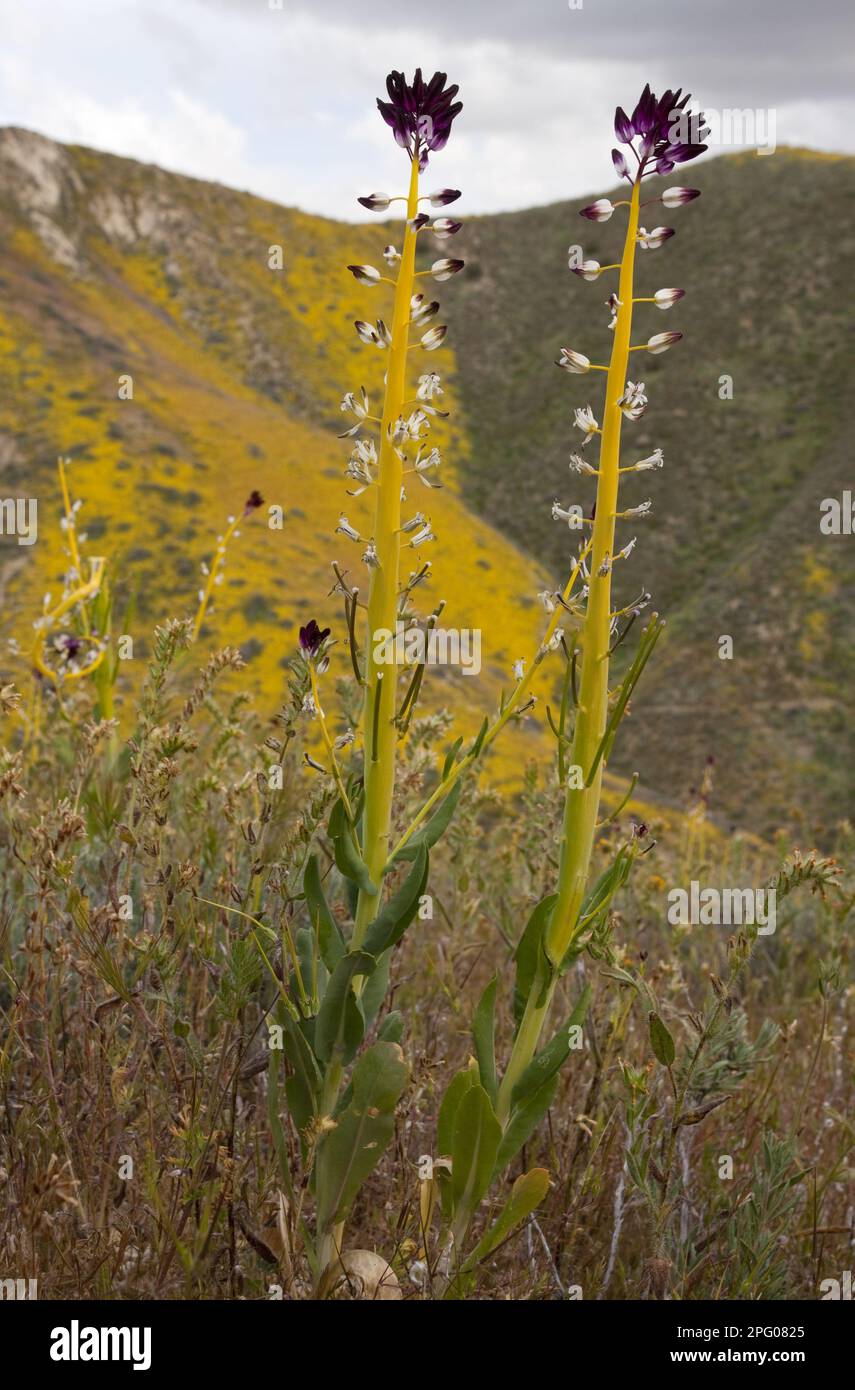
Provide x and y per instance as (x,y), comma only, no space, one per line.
(580,465)
(344,740)
(390,255)
(421,310)
(309,706)
(429,386)
(650,241)
(584,421)
(548,600)
(633,402)
(370,556)
(519,670)
(627,550)
(654,460)
(573,361)
(414,523)
(641,510)
(554,642)
(431,340)
(571,515)
(346,529)
(425,534)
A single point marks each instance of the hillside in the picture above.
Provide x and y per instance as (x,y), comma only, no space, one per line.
(112,267)
(733,544)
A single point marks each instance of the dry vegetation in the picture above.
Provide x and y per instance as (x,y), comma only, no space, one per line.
(144,1036)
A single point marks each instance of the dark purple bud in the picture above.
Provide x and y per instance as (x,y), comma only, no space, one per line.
(620,164)
(443,196)
(253,502)
(375,202)
(420,114)
(623,126)
(312,639)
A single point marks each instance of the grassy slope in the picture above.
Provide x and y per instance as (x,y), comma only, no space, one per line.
(238,373)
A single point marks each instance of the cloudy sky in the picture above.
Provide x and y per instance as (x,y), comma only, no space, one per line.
(278,96)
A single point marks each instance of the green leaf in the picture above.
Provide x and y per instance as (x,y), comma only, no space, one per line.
(523,1121)
(396,915)
(475,750)
(527,1193)
(348,859)
(330,940)
(483,1035)
(477,1135)
(528,952)
(340,1025)
(375,989)
(661,1041)
(447,1118)
(347,1154)
(451,758)
(548,1061)
(436,826)
(392,1027)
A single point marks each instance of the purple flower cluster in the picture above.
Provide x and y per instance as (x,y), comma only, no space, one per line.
(420,113)
(662,124)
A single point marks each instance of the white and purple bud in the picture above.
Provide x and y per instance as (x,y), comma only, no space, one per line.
(441,197)
(588,270)
(573,361)
(445,227)
(600,211)
(431,340)
(660,342)
(666,299)
(421,311)
(445,268)
(676,197)
(651,241)
(365,274)
(375,202)
(391,255)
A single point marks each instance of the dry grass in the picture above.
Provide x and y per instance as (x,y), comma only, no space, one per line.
(144,1037)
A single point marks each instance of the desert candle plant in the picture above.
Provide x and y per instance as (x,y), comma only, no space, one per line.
(653,148)
(502,1114)
(420,115)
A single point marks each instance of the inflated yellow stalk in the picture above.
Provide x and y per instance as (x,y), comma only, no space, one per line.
(653,121)
(420,116)
(357,1125)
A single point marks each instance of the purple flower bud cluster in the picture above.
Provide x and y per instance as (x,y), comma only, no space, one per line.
(668,133)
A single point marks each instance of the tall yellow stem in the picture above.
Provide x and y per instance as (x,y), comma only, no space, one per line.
(581,805)
(379,733)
